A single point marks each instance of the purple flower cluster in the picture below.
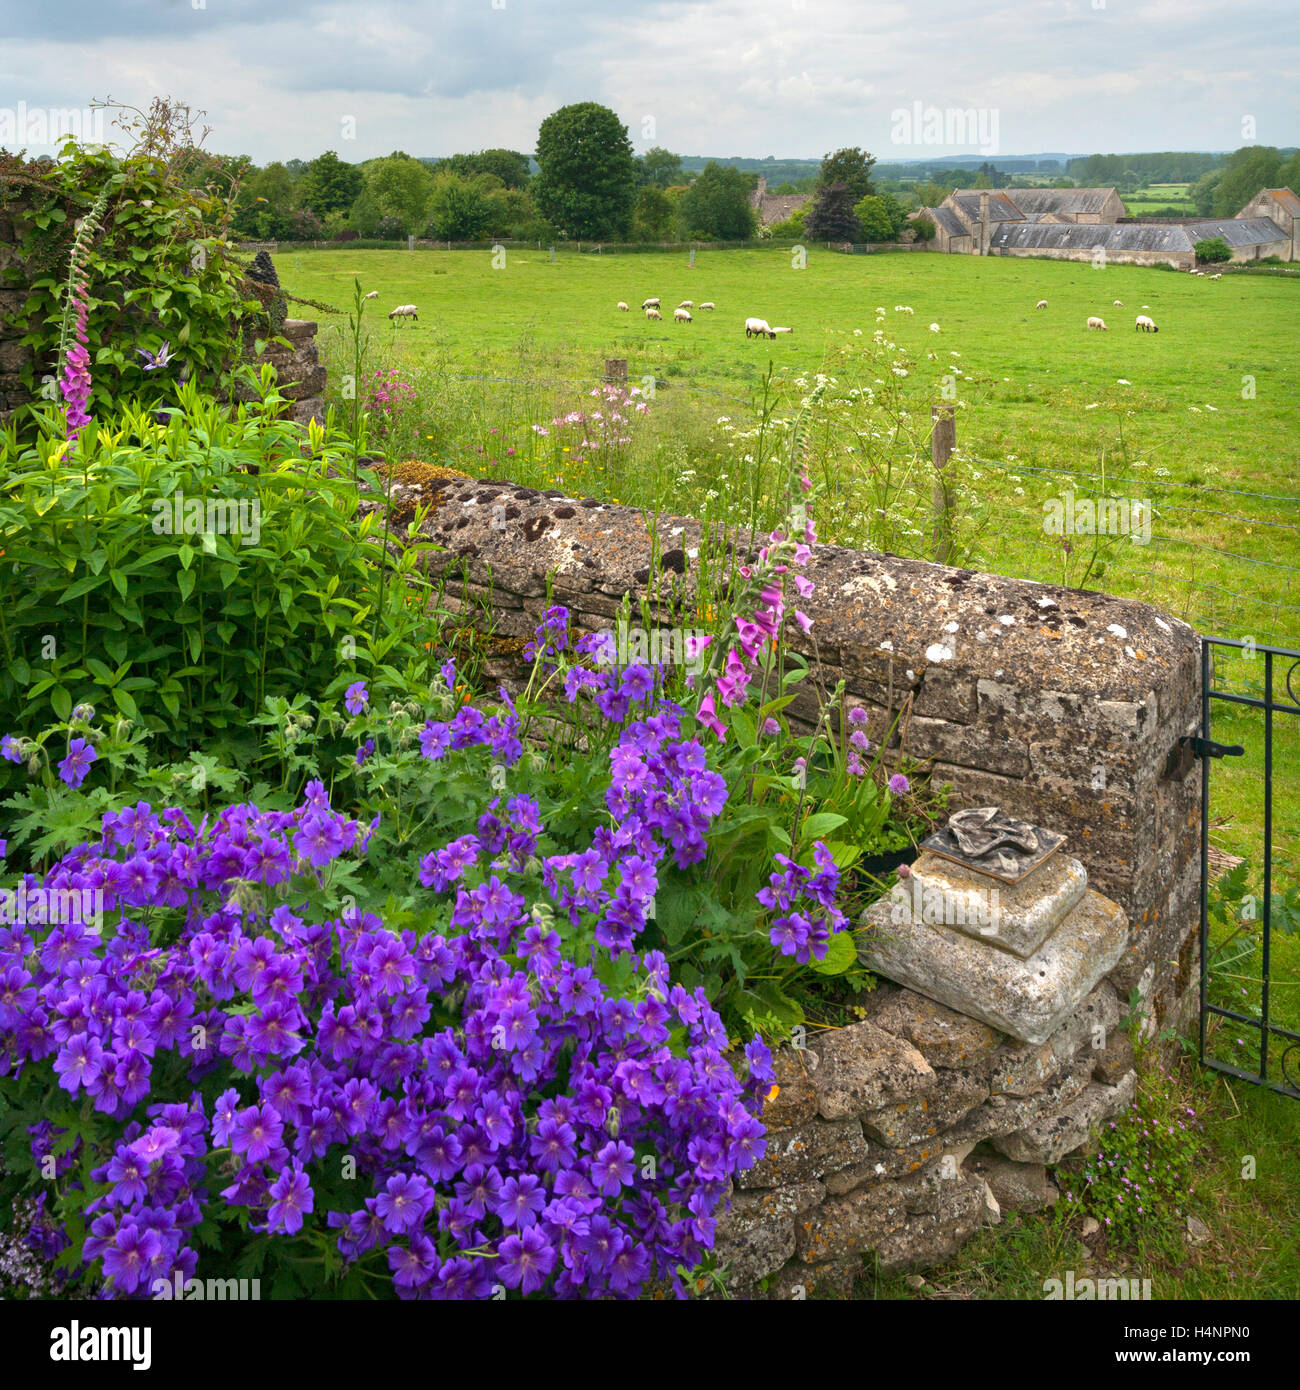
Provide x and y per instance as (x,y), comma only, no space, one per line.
(76,383)
(513,1121)
(804,901)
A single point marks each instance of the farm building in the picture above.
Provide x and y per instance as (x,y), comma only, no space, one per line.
(772,207)
(1076,223)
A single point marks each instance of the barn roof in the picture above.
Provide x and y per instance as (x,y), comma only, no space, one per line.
(1074,236)
(777,207)
(1001,208)
(949,221)
(1074,200)
(1238,231)
(1287,199)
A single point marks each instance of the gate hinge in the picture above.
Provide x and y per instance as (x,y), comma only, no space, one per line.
(1190,747)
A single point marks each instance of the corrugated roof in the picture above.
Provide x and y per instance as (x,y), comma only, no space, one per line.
(1238,231)
(1074,200)
(1073,236)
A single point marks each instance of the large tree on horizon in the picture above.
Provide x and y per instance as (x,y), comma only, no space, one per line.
(587,184)
(851,167)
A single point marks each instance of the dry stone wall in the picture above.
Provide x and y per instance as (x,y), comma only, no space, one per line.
(901,1134)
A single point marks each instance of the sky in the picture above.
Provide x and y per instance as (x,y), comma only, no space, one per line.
(280,79)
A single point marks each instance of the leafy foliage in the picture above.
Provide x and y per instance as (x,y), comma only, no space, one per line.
(159,269)
(181,573)
(587,182)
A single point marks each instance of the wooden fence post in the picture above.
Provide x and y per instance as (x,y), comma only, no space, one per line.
(616,370)
(943,440)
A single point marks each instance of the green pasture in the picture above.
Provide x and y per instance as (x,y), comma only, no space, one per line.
(1199,419)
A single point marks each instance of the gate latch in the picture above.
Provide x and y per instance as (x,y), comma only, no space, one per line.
(1186,751)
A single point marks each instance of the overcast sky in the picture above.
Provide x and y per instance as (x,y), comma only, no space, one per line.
(790,78)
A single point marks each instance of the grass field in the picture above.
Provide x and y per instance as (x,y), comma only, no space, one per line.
(1200,418)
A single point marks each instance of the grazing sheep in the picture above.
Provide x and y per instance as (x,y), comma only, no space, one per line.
(1095,322)
(622,308)
(374,294)
(758,328)
(650,303)
(687,304)
(653,313)
(1146,324)
(1042,304)
(682,316)
(708,304)
(1146,306)
(1119,303)
(1217,276)
(405,311)
(775,331)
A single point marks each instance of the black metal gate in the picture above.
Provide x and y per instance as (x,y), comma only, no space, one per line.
(1287,1079)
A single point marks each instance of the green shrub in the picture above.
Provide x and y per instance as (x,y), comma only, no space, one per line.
(270,587)
(1213,250)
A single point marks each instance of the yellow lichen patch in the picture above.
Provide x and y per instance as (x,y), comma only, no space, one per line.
(418,473)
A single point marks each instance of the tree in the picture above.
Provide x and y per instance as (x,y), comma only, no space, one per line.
(510,166)
(330,185)
(831,216)
(587,183)
(1247,171)
(396,193)
(658,168)
(717,206)
(1202,192)
(881,217)
(458,209)
(654,216)
(793,226)
(852,168)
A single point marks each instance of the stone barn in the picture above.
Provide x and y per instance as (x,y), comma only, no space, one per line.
(1281,207)
(773,207)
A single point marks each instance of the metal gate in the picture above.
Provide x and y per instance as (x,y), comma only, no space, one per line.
(1287,1077)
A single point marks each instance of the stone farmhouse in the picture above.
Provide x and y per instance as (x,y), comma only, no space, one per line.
(1073,224)
(773,207)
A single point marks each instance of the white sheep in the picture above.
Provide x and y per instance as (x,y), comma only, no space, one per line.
(1217,276)
(708,304)
(650,303)
(653,313)
(405,311)
(1119,303)
(1042,304)
(374,294)
(622,308)
(758,328)
(1145,324)
(682,316)
(1095,322)
(775,331)
(687,304)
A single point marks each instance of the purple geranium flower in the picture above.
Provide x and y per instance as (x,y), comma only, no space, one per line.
(356,697)
(75,767)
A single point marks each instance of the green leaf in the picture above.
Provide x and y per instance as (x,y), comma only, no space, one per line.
(820,825)
(841,955)
(61,702)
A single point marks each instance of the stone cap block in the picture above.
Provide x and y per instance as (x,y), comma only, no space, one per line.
(1029,998)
